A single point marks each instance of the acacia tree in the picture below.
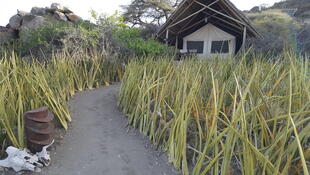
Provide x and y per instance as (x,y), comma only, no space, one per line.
(149,13)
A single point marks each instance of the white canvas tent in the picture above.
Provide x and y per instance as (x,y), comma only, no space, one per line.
(211,27)
(215,42)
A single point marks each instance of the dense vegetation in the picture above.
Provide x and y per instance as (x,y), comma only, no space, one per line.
(283,25)
(108,33)
(247,116)
(28,85)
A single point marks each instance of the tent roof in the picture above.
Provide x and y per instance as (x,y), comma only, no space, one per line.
(194,14)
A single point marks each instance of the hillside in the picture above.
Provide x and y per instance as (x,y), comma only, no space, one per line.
(284,25)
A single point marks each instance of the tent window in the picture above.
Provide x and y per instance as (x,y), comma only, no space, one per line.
(220,47)
(195,45)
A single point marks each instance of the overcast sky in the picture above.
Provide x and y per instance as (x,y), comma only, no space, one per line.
(82,7)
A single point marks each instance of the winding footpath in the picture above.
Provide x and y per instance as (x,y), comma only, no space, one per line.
(100,143)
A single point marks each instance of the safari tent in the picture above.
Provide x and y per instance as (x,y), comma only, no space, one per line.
(207,27)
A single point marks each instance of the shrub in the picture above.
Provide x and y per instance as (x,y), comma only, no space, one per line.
(132,39)
(127,41)
(59,36)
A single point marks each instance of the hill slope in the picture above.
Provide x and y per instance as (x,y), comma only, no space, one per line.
(284,25)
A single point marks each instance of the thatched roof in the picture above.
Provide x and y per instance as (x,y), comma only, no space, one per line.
(192,14)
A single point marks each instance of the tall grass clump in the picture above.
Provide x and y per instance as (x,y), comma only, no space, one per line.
(26,85)
(223,116)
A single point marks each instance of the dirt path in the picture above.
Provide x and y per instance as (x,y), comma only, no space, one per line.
(99,143)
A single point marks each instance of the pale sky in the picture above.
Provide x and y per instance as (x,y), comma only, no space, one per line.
(82,7)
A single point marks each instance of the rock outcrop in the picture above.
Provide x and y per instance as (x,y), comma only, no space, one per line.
(15,22)
(38,11)
(7,35)
(60,16)
(33,22)
(36,18)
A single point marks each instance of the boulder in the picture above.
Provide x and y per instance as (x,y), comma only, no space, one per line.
(60,16)
(7,35)
(15,22)
(38,11)
(2,29)
(60,8)
(33,22)
(73,18)
(255,9)
(22,13)
(56,6)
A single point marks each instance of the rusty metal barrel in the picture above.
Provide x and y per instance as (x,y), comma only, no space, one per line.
(39,128)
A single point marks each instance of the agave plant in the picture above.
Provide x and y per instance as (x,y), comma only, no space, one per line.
(28,85)
(223,116)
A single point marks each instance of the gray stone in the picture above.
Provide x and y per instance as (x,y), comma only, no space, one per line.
(60,16)
(15,22)
(33,22)
(7,35)
(38,11)
(56,6)
(28,18)
(60,8)
(2,29)
(22,13)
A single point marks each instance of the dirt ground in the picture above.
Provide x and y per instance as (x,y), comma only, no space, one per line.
(99,141)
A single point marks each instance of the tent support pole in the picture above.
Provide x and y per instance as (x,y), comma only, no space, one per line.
(244,38)
(182,30)
(208,7)
(225,21)
(205,7)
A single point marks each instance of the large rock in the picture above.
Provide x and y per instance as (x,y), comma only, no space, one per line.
(255,9)
(15,22)
(60,8)
(22,13)
(2,29)
(60,16)
(73,18)
(56,6)
(33,22)
(7,35)
(38,11)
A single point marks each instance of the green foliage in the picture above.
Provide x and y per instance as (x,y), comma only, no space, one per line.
(127,40)
(84,33)
(41,37)
(89,33)
(143,13)
(278,31)
(104,20)
(108,32)
(132,39)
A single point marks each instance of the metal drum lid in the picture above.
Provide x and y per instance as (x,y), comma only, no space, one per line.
(40,115)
